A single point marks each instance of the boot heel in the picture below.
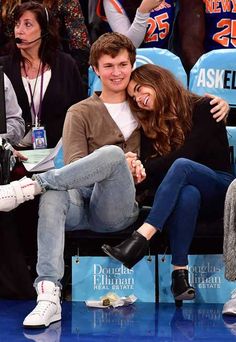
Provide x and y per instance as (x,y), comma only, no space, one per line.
(180,287)
(130,251)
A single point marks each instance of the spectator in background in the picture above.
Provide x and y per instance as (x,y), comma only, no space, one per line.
(96,26)
(229,308)
(148,23)
(204,26)
(30,66)
(15,125)
(46,80)
(72,29)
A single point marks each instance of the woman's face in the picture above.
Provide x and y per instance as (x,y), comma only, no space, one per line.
(144,96)
(28,30)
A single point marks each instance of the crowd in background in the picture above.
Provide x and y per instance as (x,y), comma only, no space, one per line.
(188,28)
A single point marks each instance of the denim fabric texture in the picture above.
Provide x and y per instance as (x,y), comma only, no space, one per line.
(188,189)
(96,192)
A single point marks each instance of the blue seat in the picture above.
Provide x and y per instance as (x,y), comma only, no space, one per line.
(58,160)
(215,73)
(161,57)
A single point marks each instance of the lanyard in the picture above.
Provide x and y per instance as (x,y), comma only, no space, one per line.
(37,116)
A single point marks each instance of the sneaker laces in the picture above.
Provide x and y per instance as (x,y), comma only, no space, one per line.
(42,307)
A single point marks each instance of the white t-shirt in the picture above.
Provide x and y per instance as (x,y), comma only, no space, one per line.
(123,117)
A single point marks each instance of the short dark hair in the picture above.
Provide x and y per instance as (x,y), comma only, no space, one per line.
(111,44)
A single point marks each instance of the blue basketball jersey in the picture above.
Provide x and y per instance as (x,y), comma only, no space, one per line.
(220,19)
(160,22)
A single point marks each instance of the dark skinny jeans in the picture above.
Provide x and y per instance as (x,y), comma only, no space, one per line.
(187,189)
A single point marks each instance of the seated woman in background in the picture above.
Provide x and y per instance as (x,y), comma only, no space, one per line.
(187,160)
(46,80)
(148,23)
(74,36)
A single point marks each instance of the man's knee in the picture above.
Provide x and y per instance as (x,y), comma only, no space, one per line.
(112,152)
(53,201)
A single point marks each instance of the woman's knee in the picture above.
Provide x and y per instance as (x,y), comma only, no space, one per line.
(182,163)
(191,196)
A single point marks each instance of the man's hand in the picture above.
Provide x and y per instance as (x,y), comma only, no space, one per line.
(220,108)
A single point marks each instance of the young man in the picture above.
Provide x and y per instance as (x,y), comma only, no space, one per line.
(96,189)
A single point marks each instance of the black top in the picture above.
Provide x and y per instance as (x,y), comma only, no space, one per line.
(206,143)
(64,90)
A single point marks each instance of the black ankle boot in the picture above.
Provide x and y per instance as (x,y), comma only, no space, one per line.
(130,251)
(180,287)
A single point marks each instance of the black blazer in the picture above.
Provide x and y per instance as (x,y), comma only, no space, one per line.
(64,90)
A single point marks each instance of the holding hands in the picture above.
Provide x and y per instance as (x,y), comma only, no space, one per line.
(136,167)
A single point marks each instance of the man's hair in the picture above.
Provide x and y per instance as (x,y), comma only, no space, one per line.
(111,44)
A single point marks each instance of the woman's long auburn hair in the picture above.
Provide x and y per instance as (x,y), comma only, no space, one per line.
(171,119)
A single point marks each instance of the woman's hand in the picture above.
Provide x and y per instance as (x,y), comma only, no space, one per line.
(19,155)
(139,171)
(136,167)
(220,108)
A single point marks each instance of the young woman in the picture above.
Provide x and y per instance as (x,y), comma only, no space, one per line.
(186,157)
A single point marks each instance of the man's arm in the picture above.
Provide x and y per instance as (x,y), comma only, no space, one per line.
(191,26)
(15,122)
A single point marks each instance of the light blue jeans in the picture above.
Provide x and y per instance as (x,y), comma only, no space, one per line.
(96,192)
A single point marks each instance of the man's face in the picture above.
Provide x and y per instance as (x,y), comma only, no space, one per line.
(114,72)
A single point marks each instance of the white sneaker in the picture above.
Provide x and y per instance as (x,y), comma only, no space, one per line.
(48,308)
(229,307)
(17,192)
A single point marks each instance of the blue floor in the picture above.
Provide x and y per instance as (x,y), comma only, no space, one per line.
(138,322)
